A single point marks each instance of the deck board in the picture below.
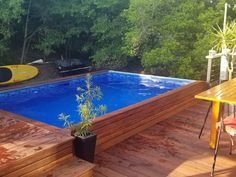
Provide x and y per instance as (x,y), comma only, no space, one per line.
(170,148)
(26,145)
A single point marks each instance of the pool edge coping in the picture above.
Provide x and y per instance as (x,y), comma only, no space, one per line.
(99,118)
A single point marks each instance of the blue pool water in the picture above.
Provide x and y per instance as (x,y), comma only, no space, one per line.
(45,102)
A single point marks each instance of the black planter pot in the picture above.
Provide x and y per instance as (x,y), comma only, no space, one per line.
(85,147)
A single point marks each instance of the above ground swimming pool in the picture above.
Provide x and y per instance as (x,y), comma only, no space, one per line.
(44,102)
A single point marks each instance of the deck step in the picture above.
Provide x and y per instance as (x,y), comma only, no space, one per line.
(72,167)
(26,146)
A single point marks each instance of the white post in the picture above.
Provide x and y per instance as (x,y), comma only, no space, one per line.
(209,70)
(224,57)
(224,65)
(211,55)
(225,16)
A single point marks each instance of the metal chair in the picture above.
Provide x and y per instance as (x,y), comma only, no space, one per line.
(228,125)
(208,111)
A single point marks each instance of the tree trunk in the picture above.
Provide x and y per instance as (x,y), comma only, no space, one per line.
(26,33)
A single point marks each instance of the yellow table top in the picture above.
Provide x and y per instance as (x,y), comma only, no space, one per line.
(225,93)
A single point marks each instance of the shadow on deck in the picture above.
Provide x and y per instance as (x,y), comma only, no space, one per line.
(170,148)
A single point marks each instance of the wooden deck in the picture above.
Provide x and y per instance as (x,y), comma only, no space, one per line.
(169,148)
(27,145)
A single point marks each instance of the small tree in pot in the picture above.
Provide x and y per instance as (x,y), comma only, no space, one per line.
(85,140)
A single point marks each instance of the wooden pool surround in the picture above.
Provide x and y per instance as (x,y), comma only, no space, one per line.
(114,127)
(33,149)
(119,125)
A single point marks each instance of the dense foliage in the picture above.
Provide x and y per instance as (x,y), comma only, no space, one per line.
(170,37)
(173,36)
(10,14)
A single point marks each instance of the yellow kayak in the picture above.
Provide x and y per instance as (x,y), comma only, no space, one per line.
(16,73)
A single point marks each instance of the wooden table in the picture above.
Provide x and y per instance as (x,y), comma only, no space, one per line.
(223,93)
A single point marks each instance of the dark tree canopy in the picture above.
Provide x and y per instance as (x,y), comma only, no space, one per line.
(170,37)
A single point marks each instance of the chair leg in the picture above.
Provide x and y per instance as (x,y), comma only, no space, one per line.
(234,110)
(228,109)
(217,147)
(200,134)
(231,144)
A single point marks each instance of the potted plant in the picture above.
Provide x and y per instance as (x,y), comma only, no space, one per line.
(85,139)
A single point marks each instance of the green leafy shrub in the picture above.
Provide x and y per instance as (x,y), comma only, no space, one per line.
(86,109)
(225,39)
(110,58)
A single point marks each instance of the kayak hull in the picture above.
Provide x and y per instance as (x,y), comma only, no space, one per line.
(16,73)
